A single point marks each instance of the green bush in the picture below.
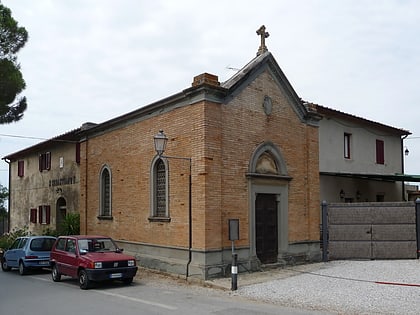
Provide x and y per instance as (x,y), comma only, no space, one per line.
(50,232)
(7,239)
(71,224)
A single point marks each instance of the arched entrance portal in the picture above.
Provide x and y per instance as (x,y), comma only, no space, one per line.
(269,182)
(61,211)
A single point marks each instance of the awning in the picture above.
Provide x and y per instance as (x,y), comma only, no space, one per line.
(379,177)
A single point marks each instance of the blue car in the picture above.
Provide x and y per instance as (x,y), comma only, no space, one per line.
(28,252)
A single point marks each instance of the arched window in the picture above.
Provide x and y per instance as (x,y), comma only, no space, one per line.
(105,193)
(159,189)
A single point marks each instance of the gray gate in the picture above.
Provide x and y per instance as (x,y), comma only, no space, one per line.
(382,230)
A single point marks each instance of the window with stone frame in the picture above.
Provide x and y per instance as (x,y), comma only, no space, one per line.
(45,161)
(44,214)
(105,210)
(159,191)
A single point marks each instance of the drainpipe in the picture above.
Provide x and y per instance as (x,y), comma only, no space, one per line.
(8,198)
(189,224)
(402,167)
(86,184)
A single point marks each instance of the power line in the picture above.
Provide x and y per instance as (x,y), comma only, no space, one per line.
(36,138)
(22,137)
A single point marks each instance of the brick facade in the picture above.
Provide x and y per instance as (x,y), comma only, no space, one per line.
(219,127)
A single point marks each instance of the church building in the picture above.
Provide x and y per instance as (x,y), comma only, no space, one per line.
(177,182)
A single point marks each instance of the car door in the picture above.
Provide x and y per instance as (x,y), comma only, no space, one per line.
(10,255)
(67,259)
(71,257)
(20,251)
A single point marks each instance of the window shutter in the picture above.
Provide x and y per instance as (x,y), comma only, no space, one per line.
(48,214)
(33,215)
(21,166)
(380,156)
(40,214)
(40,162)
(48,160)
(78,152)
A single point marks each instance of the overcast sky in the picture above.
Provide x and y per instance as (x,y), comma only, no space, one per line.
(92,60)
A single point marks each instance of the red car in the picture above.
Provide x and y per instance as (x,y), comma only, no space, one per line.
(90,259)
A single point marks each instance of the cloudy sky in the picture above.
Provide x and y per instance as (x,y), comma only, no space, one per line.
(92,60)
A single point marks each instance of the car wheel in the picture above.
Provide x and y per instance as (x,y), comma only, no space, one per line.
(127,280)
(22,268)
(56,275)
(84,281)
(4,265)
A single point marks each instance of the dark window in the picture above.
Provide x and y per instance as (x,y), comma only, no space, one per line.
(21,168)
(15,244)
(42,244)
(105,207)
(380,156)
(33,215)
(45,161)
(347,145)
(23,242)
(78,153)
(61,244)
(71,246)
(160,192)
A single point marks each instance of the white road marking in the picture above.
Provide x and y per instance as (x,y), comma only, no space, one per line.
(165,306)
(168,307)
(39,278)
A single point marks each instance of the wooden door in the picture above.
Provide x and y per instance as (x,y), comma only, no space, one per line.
(266,228)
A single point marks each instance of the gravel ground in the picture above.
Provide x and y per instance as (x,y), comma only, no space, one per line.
(345,287)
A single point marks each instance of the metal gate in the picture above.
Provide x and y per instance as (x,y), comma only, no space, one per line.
(370,231)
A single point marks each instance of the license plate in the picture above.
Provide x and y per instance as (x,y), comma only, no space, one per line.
(115,275)
(44,262)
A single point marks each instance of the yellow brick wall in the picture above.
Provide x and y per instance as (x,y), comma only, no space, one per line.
(220,139)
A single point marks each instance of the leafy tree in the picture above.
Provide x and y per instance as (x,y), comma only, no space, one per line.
(4,194)
(12,39)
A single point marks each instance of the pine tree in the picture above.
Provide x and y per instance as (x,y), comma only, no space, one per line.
(12,39)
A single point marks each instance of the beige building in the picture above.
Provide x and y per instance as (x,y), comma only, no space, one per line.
(44,183)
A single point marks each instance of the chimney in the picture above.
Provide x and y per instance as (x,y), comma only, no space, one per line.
(206,78)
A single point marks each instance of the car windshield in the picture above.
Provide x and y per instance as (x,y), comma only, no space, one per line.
(97,245)
(42,244)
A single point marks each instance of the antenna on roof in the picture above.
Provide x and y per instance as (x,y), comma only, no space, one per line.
(231,68)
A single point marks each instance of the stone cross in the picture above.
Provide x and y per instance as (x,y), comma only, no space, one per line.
(261,31)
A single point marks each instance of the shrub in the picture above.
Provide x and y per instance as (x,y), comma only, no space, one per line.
(7,239)
(50,232)
(71,224)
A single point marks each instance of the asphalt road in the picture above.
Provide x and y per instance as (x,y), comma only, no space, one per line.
(37,294)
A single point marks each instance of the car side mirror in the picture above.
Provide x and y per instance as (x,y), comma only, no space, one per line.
(120,250)
(83,251)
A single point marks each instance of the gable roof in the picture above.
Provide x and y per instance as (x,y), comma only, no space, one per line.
(328,112)
(72,136)
(266,62)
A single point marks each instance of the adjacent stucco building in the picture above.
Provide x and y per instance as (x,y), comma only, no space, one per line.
(44,183)
(360,160)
